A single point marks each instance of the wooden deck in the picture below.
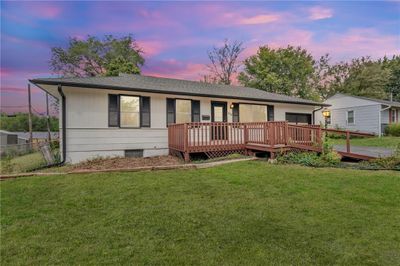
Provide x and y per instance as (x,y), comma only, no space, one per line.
(221,139)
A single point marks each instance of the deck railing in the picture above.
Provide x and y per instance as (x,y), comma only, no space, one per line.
(203,137)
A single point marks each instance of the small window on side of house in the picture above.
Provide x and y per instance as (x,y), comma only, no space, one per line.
(350,117)
(133,153)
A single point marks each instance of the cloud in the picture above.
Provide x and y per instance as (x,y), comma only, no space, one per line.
(172,68)
(151,47)
(259,19)
(318,12)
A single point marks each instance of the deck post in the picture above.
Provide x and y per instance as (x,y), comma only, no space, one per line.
(246,137)
(347,141)
(185,143)
(286,132)
(319,136)
(272,135)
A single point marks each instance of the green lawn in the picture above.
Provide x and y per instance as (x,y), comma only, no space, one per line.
(389,142)
(248,213)
(23,163)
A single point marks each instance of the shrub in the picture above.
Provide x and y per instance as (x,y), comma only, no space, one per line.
(393,130)
(312,159)
(388,163)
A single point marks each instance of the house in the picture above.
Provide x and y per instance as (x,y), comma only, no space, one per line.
(360,113)
(128,115)
(38,136)
(10,141)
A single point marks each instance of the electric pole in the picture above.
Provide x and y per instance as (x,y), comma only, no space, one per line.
(30,116)
(48,118)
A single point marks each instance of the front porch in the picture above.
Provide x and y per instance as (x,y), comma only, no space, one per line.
(219,138)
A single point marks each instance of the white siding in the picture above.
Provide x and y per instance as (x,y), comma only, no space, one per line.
(88,134)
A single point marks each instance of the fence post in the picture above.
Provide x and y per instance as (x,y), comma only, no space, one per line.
(347,141)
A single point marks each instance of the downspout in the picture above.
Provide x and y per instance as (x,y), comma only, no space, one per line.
(380,119)
(313,114)
(64,122)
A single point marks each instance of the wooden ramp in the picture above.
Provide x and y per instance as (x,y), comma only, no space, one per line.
(363,152)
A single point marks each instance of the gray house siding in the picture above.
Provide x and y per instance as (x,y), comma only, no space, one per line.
(366,118)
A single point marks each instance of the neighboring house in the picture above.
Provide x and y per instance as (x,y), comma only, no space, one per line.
(361,113)
(38,136)
(11,141)
(128,115)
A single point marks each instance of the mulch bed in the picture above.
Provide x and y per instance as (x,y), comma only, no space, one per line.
(125,163)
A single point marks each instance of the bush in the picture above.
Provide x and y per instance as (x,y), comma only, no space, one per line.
(393,130)
(310,159)
(387,163)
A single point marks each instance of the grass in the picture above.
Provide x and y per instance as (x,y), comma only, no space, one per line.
(250,213)
(388,142)
(23,163)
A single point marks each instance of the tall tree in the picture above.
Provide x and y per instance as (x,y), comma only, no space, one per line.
(393,85)
(284,70)
(224,62)
(97,57)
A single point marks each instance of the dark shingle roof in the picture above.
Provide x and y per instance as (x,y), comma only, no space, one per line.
(174,86)
(386,102)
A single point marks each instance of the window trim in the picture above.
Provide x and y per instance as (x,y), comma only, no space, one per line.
(108,110)
(347,117)
(191,108)
(119,110)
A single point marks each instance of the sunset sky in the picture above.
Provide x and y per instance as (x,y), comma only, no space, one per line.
(175,36)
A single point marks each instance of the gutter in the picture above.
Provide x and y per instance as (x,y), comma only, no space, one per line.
(64,122)
(313,113)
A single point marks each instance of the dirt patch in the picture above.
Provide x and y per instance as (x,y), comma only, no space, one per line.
(125,163)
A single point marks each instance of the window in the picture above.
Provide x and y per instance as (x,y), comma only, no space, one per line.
(270,109)
(134,153)
(350,117)
(298,118)
(182,111)
(393,118)
(252,113)
(128,111)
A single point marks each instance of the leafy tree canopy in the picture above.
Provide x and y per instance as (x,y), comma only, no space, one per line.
(284,70)
(97,57)
(19,122)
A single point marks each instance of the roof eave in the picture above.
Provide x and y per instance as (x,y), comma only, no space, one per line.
(111,87)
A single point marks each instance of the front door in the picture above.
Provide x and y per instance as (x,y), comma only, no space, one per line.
(218,114)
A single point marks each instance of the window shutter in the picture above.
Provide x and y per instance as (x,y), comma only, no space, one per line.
(270,110)
(113,110)
(170,111)
(195,111)
(235,112)
(145,111)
